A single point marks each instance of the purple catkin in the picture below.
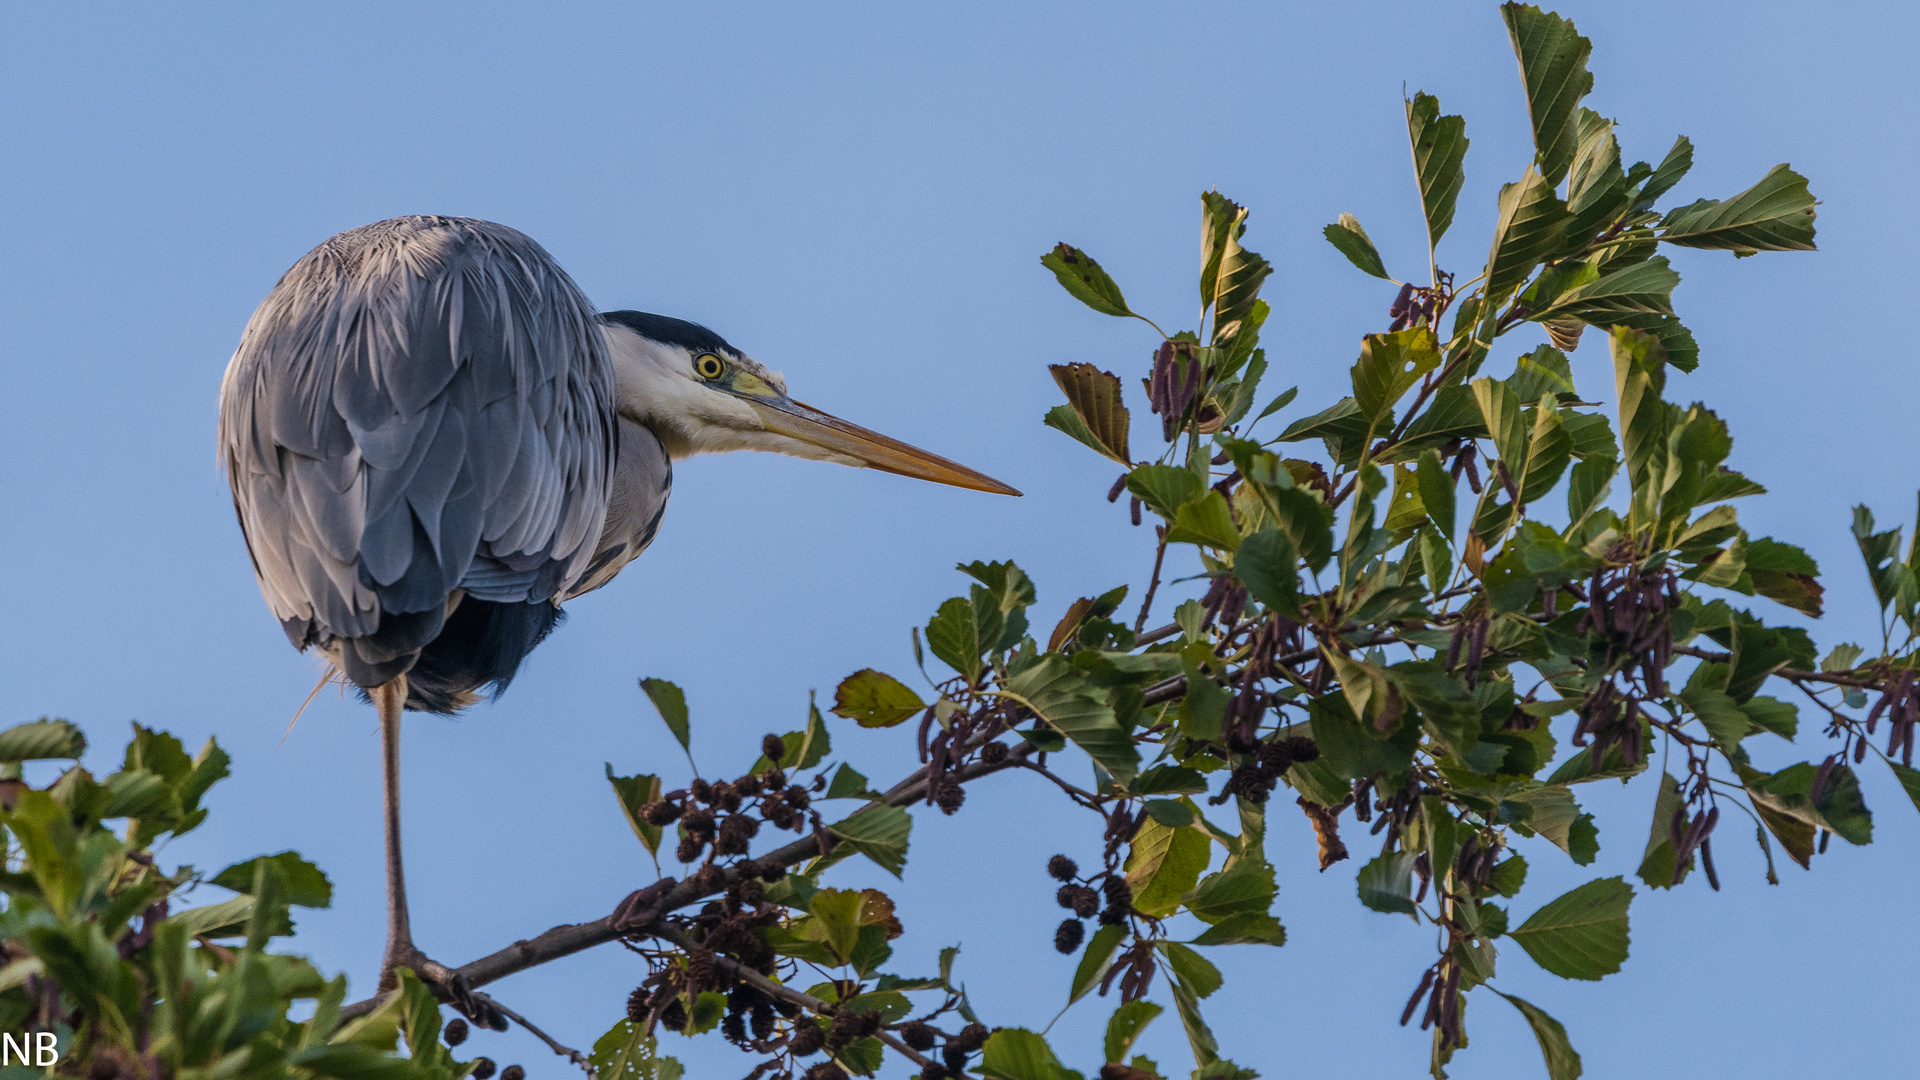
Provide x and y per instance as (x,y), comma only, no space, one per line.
(1120,485)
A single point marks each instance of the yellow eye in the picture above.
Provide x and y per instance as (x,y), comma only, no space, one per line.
(709,366)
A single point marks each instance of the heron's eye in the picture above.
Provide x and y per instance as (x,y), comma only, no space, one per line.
(709,366)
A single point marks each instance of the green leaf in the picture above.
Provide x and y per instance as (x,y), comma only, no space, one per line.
(1436,498)
(627,1052)
(1531,222)
(1125,1026)
(802,749)
(1169,780)
(1095,398)
(635,792)
(880,833)
(1785,574)
(1553,65)
(1164,488)
(1562,1062)
(874,699)
(1230,276)
(836,915)
(1247,928)
(847,783)
(1281,400)
(1775,214)
(1019,1054)
(1840,808)
(1386,883)
(1389,366)
(1163,864)
(1207,521)
(1556,816)
(672,704)
(1093,960)
(1206,1049)
(40,740)
(1639,295)
(1909,781)
(1266,563)
(1246,887)
(1077,709)
(965,629)
(1194,971)
(1353,242)
(1439,149)
(1656,868)
(303,882)
(1671,169)
(1083,278)
(1581,935)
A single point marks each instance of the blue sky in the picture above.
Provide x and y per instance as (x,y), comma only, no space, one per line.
(857,195)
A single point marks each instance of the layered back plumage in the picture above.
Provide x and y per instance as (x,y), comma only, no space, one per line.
(420,415)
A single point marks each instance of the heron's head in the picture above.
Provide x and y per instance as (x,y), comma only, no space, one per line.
(700,395)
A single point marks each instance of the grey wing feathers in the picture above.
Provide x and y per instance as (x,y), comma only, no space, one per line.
(420,405)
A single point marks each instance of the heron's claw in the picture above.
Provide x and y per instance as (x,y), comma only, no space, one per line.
(447,984)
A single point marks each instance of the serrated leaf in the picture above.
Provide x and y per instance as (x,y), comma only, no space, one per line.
(1553,66)
(1671,168)
(1389,366)
(634,792)
(1267,564)
(1019,1054)
(1095,397)
(1353,242)
(874,699)
(1077,709)
(42,739)
(1656,866)
(1093,960)
(672,704)
(1531,222)
(1775,214)
(304,883)
(1439,149)
(1163,863)
(1581,935)
(1562,1062)
(1164,488)
(1207,521)
(1195,972)
(1085,280)
(1386,883)
(1251,928)
(1125,1026)
(1639,295)
(879,832)
(1246,887)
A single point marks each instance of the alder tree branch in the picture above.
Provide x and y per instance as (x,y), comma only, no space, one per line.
(640,912)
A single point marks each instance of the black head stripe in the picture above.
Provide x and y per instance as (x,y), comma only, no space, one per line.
(670,331)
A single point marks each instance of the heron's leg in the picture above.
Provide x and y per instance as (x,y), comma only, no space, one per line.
(390,699)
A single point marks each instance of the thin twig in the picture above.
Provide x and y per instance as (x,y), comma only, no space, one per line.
(1085,798)
(564,1051)
(1153,585)
(1794,674)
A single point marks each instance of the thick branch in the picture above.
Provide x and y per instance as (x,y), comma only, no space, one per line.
(567,940)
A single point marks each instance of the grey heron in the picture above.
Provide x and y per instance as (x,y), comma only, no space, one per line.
(433,440)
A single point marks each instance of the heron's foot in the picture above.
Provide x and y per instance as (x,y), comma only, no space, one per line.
(447,984)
